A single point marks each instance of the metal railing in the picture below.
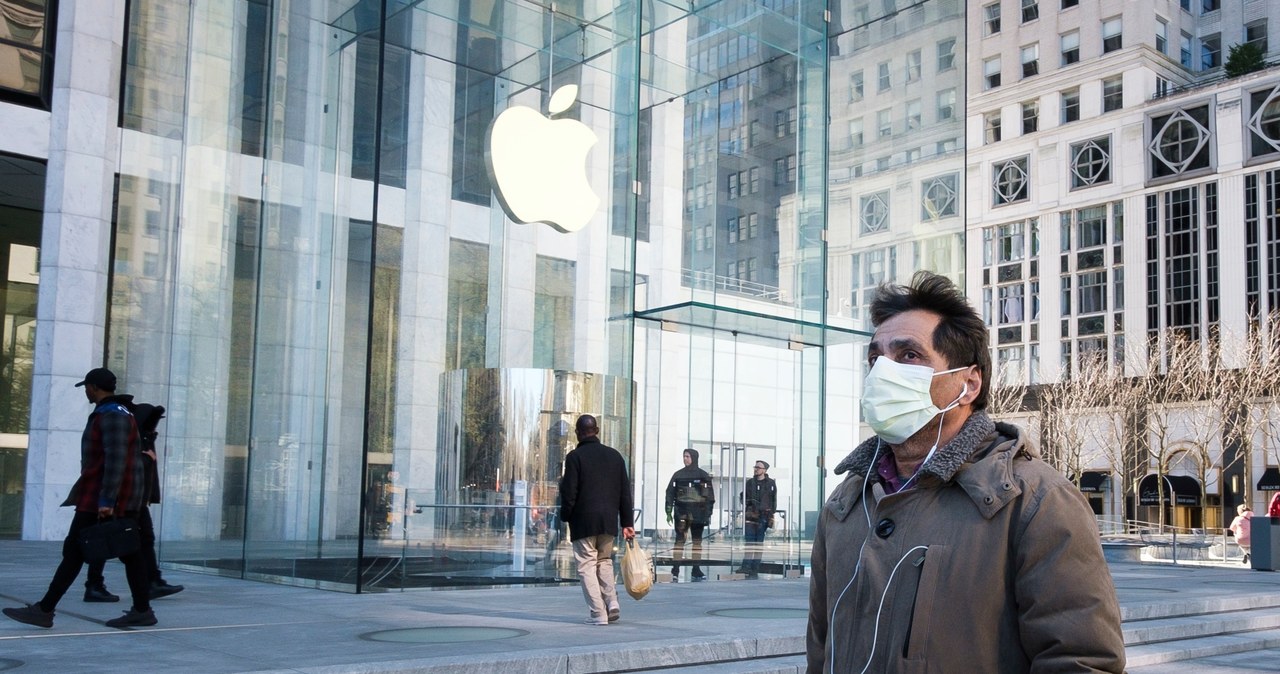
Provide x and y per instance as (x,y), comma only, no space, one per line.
(1209,543)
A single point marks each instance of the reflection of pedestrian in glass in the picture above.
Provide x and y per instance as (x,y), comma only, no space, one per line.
(760,499)
(1240,529)
(690,498)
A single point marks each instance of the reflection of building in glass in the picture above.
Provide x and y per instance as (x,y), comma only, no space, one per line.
(897,141)
(285,224)
(1119,197)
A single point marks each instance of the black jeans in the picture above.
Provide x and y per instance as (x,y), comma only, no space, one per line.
(685,524)
(147,533)
(135,569)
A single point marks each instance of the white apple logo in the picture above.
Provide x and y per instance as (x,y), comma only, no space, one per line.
(538,164)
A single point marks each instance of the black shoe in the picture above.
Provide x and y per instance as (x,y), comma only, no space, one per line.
(699,579)
(1246,559)
(161,588)
(98,594)
(31,614)
(132,618)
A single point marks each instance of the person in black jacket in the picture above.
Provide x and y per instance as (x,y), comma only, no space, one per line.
(761,500)
(595,496)
(148,417)
(690,498)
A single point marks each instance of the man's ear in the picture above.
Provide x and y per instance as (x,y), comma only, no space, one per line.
(973,384)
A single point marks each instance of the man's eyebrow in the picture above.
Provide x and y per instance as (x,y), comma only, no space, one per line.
(901,343)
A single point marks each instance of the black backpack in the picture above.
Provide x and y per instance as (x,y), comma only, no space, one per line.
(148,417)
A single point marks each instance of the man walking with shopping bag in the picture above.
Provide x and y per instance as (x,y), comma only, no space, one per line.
(595,498)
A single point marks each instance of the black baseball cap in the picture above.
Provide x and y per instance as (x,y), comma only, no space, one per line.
(101,377)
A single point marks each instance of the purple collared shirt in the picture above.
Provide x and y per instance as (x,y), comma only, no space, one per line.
(887,468)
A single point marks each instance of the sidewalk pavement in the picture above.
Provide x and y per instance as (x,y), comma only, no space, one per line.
(230,625)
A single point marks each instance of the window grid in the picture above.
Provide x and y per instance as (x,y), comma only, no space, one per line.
(1070,106)
(1112,93)
(992,18)
(1031,60)
(1070,47)
(1111,35)
(1211,253)
(1251,247)
(1181,264)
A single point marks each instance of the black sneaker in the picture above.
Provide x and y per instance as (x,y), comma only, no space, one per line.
(98,594)
(132,618)
(31,614)
(161,588)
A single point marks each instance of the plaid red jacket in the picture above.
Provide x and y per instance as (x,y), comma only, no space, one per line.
(111,467)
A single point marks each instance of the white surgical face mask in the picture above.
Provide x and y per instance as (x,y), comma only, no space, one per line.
(895,399)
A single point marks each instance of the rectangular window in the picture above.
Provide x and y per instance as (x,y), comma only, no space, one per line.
(991,124)
(1009,242)
(1091,227)
(1256,34)
(1207,6)
(884,82)
(1070,47)
(884,123)
(855,87)
(26,50)
(1112,93)
(1030,117)
(991,72)
(1012,304)
(946,104)
(991,13)
(1031,60)
(1185,5)
(947,55)
(1184,52)
(1070,106)
(855,133)
(1210,51)
(1111,39)
(731,225)
(733,185)
(1162,36)
(1068,4)
(1030,10)
(913,65)
(913,115)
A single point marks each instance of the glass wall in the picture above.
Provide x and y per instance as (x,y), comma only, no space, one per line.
(375,258)
(21,211)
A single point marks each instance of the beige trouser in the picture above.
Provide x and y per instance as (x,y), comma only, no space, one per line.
(594,555)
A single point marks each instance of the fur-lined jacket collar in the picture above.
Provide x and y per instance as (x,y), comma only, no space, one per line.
(974,435)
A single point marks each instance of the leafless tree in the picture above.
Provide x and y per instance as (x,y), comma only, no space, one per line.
(1008,395)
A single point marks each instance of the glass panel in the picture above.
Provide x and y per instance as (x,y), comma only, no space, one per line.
(21,214)
(371,345)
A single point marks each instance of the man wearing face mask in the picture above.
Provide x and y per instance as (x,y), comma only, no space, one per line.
(950,546)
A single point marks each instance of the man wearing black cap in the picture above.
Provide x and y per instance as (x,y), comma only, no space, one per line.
(111,484)
(147,417)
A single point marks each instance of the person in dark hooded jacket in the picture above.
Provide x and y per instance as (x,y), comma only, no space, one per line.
(690,498)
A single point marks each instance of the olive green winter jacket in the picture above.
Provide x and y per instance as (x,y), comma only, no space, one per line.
(990,563)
